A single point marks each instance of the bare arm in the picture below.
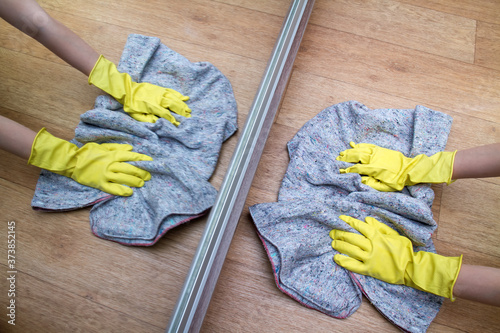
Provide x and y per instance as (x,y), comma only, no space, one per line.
(478,162)
(15,138)
(30,18)
(478,283)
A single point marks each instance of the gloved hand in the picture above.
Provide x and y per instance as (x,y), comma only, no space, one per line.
(99,166)
(382,253)
(388,170)
(142,101)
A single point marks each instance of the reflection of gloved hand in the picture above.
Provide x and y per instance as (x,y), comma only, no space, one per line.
(388,170)
(382,253)
(142,101)
(99,166)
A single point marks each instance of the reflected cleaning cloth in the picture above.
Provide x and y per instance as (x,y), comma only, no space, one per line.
(295,230)
(184,156)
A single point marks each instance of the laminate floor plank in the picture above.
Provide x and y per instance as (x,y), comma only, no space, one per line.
(488,45)
(483,10)
(62,311)
(470,214)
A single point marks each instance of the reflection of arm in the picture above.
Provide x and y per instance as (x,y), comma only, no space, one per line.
(30,18)
(478,283)
(15,138)
(478,162)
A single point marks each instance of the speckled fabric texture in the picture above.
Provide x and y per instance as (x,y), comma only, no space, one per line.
(184,156)
(295,230)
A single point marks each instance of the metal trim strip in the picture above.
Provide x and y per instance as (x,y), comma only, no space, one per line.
(205,268)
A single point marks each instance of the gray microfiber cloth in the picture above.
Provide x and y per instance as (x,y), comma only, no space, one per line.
(295,230)
(184,156)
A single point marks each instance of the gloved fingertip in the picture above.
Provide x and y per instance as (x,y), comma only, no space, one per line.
(336,259)
(126,192)
(352,144)
(332,234)
(343,170)
(345,218)
(148,177)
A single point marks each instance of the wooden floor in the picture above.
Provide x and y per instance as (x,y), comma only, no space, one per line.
(399,54)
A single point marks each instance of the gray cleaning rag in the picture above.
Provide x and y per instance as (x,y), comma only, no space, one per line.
(184,156)
(295,230)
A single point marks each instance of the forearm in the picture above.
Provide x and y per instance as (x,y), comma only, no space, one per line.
(15,138)
(478,162)
(30,18)
(478,283)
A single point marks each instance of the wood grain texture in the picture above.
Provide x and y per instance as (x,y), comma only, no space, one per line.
(70,280)
(488,45)
(407,25)
(464,222)
(480,10)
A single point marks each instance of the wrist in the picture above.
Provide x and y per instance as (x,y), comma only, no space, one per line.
(105,76)
(433,273)
(53,154)
(94,69)
(437,168)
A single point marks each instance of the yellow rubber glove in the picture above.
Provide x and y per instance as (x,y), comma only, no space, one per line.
(388,170)
(98,166)
(382,253)
(142,101)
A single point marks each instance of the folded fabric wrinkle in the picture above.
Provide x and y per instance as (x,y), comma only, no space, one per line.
(313,194)
(184,157)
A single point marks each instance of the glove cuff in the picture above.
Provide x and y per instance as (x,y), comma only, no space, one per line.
(34,153)
(106,77)
(433,273)
(437,168)
(452,165)
(91,75)
(53,154)
(459,263)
